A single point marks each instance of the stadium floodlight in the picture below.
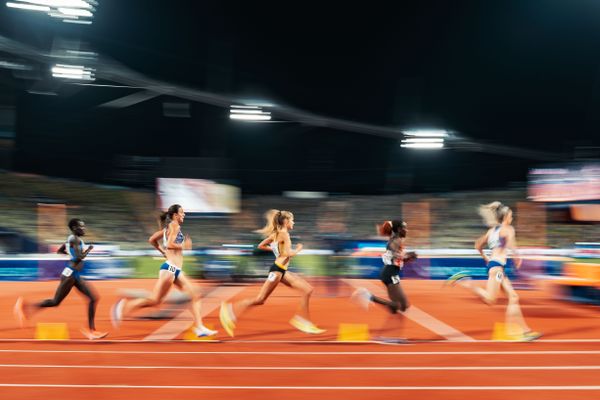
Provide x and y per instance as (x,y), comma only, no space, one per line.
(256,112)
(422,145)
(427,133)
(246,117)
(73,11)
(25,6)
(424,139)
(65,3)
(78,12)
(75,72)
(248,113)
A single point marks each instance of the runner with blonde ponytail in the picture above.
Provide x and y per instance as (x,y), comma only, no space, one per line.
(277,239)
(500,239)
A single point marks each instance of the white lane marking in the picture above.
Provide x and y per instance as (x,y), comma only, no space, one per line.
(416,314)
(183,321)
(287,368)
(397,388)
(313,353)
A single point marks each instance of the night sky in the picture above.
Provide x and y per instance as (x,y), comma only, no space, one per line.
(522,73)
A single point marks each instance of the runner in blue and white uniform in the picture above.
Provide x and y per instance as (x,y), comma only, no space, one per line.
(69,278)
(500,239)
(170,273)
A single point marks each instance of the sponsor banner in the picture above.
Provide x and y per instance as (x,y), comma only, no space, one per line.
(11,270)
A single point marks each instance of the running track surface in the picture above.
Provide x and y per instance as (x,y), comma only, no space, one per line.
(269,359)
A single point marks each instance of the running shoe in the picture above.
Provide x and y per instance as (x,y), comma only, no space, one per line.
(202,331)
(94,335)
(19,313)
(459,276)
(305,326)
(226,318)
(362,297)
(116,314)
(530,336)
(391,340)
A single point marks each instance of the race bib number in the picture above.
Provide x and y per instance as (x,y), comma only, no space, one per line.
(172,269)
(67,272)
(395,279)
(499,276)
(272,277)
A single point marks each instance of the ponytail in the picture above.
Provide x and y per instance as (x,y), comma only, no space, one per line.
(166,217)
(493,213)
(275,220)
(162,220)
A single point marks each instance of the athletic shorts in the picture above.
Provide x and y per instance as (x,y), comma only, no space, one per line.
(172,268)
(390,275)
(71,273)
(276,268)
(494,263)
(499,276)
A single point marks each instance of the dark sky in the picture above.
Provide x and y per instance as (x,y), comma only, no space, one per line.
(514,72)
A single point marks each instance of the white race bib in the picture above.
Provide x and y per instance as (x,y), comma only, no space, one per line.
(499,276)
(67,272)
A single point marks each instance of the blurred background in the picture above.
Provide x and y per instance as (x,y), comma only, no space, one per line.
(110,111)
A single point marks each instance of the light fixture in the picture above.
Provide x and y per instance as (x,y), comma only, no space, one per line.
(424,139)
(75,72)
(72,11)
(248,113)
